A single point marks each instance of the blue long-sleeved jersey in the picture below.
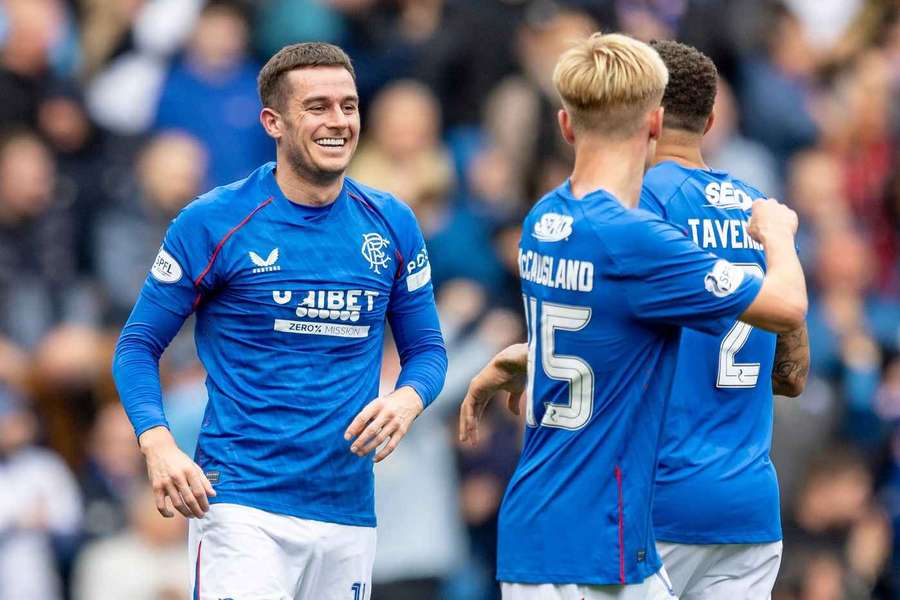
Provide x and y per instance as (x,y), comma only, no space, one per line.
(291,304)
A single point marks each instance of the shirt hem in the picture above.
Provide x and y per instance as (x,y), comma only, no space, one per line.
(292,511)
(576,578)
(705,540)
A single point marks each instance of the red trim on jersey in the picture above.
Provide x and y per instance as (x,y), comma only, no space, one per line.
(215,253)
(361,199)
(621,527)
(400,262)
(197,572)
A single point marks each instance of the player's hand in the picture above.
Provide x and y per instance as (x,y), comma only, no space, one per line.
(771,219)
(384,419)
(506,372)
(175,478)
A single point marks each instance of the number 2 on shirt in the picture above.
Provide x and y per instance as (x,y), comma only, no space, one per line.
(733,374)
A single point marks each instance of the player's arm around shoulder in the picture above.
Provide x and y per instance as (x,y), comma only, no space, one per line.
(781,304)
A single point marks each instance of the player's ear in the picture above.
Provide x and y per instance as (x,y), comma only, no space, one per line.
(565,125)
(271,122)
(709,122)
(656,123)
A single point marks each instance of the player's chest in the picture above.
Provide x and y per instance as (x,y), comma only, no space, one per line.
(342,275)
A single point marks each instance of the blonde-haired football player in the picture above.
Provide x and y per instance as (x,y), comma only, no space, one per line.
(607,290)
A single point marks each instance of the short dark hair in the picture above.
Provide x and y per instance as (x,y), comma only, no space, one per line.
(691,91)
(273,92)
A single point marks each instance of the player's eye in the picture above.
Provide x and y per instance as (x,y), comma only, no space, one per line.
(349,108)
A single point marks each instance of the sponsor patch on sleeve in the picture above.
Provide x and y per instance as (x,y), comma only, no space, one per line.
(165,268)
(419,278)
(724,279)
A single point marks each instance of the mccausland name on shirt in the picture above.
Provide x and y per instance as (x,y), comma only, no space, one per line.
(562,273)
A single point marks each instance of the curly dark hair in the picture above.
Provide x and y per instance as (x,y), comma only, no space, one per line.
(691,91)
(273,92)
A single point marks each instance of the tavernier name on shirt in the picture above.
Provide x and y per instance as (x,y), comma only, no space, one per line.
(719,232)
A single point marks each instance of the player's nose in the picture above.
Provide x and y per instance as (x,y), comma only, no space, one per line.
(337,119)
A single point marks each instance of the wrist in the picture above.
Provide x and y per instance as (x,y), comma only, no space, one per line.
(409,393)
(776,238)
(513,359)
(154,438)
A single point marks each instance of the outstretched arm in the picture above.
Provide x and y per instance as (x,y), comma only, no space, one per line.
(791,363)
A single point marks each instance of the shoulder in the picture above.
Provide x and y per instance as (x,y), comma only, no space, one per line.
(753,191)
(379,201)
(663,181)
(637,237)
(221,209)
(550,203)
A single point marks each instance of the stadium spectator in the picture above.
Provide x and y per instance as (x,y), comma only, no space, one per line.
(31,27)
(37,254)
(402,152)
(40,507)
(169,173)
(147,561)
(837,540)
(210,94)
(70,380)
(112,468)
(779,89)
(726,148)
(408,565)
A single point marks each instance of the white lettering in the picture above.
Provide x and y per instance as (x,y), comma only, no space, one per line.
(735,230)
(370,299)
(281,297)
(694,223)
(709,235)
(712,192)
(570,274)
(335,299)
(317,328)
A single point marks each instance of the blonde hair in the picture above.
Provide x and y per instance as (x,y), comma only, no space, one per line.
(608,83)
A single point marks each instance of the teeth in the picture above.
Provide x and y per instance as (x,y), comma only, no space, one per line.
(331,142)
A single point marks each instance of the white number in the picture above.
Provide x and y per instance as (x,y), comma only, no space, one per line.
(733,374)
(571,369)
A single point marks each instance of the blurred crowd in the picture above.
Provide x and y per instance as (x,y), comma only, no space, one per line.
(116,113)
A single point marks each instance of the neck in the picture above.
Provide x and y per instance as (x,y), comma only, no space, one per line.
(305,191)
(616,166)
(682,147)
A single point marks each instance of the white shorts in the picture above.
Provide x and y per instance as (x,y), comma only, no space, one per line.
(250,554)
(707,572)
(655,587)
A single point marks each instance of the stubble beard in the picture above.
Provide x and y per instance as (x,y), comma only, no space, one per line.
(306,169)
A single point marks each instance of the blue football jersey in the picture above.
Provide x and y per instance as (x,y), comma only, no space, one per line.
(716,483)
(291,303)
(606,292)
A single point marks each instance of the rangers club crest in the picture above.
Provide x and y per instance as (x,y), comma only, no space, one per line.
(373,251)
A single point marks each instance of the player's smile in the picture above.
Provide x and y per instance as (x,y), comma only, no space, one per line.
(331,142)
